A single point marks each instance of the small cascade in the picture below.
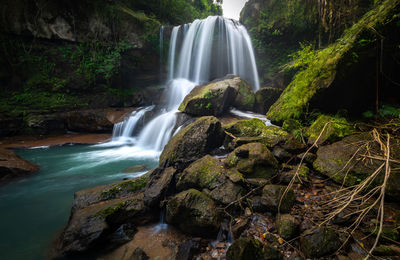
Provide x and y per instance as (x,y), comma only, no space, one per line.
(198,53)
(124,130)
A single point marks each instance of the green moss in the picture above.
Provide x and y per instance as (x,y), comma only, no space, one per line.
(127,186)
(251,127)
(336,128)
(110,210)
(320,71)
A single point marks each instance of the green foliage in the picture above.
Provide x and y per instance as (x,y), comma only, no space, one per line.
(302,57)
(384,111)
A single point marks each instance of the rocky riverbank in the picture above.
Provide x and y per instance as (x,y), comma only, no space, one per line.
(247,183)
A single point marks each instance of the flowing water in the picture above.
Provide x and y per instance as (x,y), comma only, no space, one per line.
(34,209)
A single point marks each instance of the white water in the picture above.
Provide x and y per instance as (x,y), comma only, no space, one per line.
(198,53)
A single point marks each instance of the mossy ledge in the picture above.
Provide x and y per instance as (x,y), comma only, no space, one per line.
(321,70)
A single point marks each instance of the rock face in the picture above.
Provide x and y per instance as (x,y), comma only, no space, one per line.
(338,161)
(253,160)
(319,241)
(265,97)
(12,166)
(193,212)
(193,141)
(288,226)
(108,214)
(215,98)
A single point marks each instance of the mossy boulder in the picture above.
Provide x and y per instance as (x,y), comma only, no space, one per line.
(336,128)
(245,97)
(256,128)
(193,141)
(344,162)
(250,128)
(319,242)
(158,184)
(288,226)
(265,98)
(193,212)
(303,172)
(209,175)
(272,197)
(206,172)
(253,160)
(250,248)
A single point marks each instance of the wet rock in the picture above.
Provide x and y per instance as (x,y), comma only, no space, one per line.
(45,124)
(122,235)
(246,128)
(240,226)
(253,160)
(136,168)
(250,248)
(239,141)
(319,242)
(95,120)
(288,226)
(193,212)
(158,185)
(226,193)
(308,157)
(265,97)
(193,142)
(210,99)
(256,204)
(281,154)
(245,97)
(339,162)
(12,166)
(139,254)
(336,128)
(272,196)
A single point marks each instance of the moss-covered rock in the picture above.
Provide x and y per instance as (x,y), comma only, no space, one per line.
(288,226)
(253,160)
(336,128)
(210,99)
(319,242)
(320,71)
(303,172)
(272,197)
(206,172)
(194,213)
(193,141)
(274,135)
(245,97)
(344,162)
(265,98)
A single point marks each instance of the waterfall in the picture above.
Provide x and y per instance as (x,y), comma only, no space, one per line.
(198,53)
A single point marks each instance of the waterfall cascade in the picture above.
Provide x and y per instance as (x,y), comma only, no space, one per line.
(198,53)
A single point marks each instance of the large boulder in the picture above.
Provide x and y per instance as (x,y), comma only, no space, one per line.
(194,213)
(344,162)
(319,242)
(265,97)
(193,142)
(288,226)
(12,166)
(216,97)
(253,160)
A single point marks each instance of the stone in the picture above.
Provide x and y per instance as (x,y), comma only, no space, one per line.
(303,173)
(122,235)
(272,196)
(226,193)
(288,226)
(210,99)
(336,128)
(92,120)
(253,160)
(188,249)
(265,97)
(246,128)
(193,142)
(319,241)
(206,172)
(193,212)
(158,185)
(245,97)
(13,166)
(338,162)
